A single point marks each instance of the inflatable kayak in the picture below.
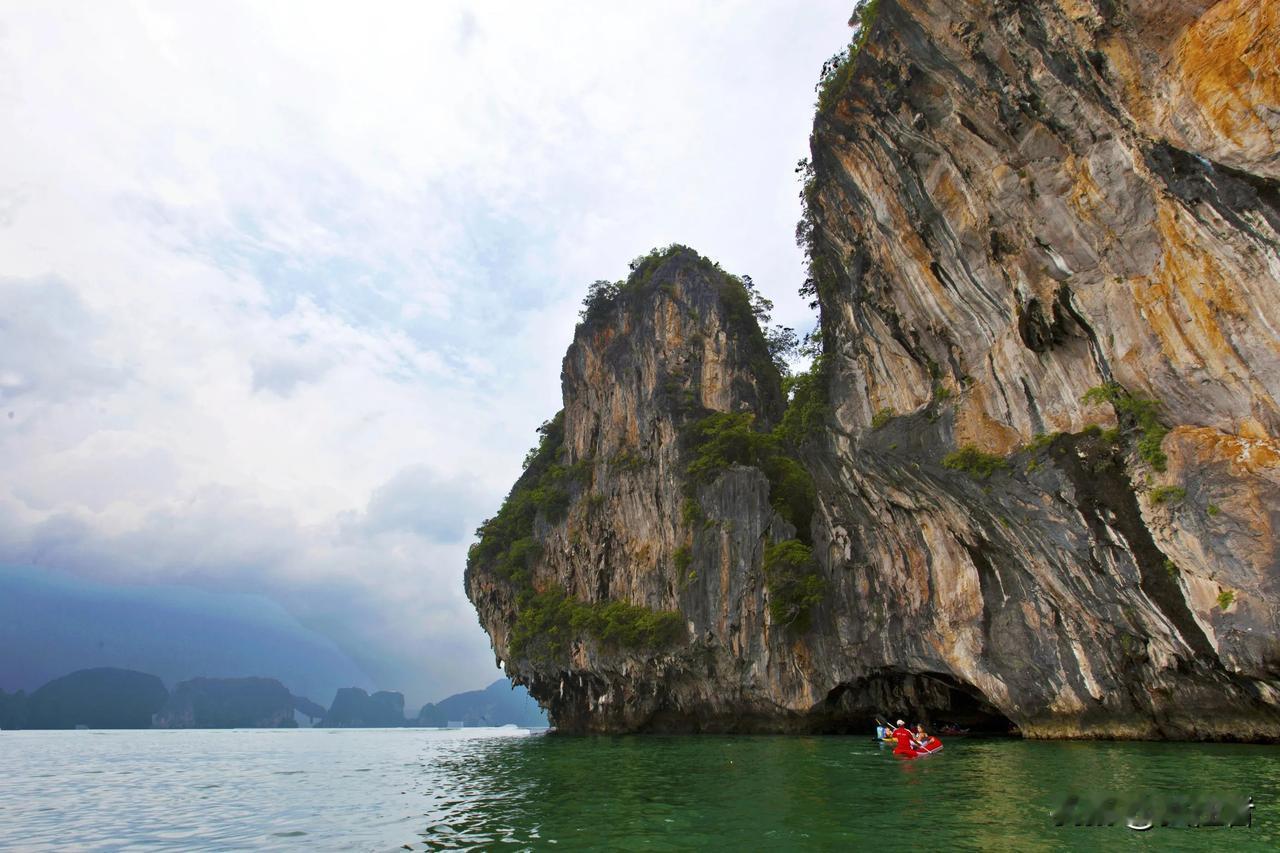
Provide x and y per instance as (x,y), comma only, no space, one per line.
(916,751)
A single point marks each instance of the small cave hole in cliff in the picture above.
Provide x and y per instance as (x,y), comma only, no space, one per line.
(933,699)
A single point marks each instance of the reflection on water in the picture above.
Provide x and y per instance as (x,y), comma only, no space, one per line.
(669,793)
(385,789)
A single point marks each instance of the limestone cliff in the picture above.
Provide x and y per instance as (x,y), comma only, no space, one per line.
(1034,476)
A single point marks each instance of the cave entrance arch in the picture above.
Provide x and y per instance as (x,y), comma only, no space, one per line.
(934,699)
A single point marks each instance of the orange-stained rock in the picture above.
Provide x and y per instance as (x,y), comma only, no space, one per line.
(1091,190)
(1226,65)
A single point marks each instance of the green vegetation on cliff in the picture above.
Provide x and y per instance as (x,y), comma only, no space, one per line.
(547,621)
(820,274)
(882,418)
(720,440)
(505,541)
(1167,495)
(1143,413)
(974,462)
(1041,441)
(794,583)
(724,439)
(807,404)
(838,70)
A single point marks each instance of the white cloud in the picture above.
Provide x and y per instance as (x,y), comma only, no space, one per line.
(285,287)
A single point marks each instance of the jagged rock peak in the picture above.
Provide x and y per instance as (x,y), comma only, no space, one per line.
(587,568)
(676,338)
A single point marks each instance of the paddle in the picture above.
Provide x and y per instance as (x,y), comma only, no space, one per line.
(891,728)
(885,723)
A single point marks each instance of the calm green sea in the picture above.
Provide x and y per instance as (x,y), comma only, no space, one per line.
(486,789)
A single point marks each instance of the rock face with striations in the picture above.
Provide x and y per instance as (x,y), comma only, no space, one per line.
(1045,243)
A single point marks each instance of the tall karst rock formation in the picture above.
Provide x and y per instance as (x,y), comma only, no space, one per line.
(1034,476)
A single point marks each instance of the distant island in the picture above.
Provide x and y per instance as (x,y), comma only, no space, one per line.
(496,705)
(229,703)
(53,622)
(354,708)
(110,698)
(103,698)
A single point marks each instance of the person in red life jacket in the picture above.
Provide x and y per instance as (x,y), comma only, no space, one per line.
(903,735)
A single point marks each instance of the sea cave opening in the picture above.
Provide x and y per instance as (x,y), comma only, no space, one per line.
(935,700)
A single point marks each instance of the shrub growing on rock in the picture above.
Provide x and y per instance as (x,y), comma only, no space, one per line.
(1167,494)
(724,439)
(838,70)
(547,622)
(882,417)
(794,584)
(1143,412)
(974,462)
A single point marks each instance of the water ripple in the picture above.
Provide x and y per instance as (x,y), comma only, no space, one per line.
(476,789)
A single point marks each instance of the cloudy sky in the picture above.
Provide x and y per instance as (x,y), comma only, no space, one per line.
(284,287)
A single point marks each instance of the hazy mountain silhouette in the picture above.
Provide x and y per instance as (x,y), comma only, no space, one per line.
(52,623)
(354,708)
(496,705)
(102,698)
(228,703)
